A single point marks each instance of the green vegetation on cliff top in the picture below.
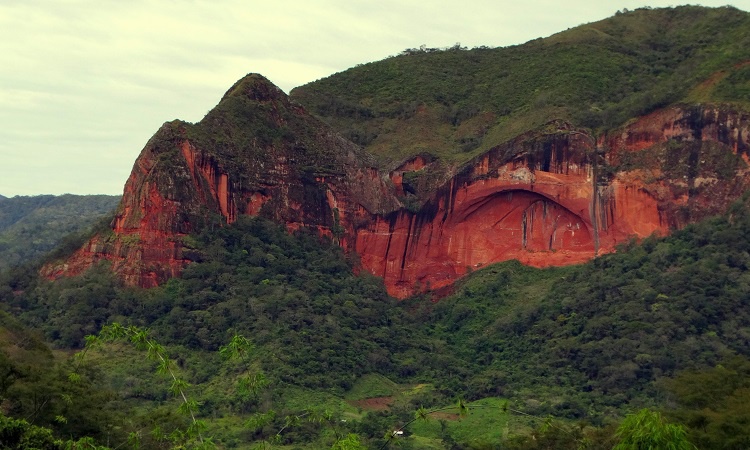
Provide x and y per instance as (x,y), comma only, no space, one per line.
(456,103)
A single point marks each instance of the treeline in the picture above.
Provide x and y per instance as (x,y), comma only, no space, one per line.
(662,324)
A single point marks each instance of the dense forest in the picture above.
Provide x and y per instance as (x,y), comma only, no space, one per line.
(662,324)
(30,227)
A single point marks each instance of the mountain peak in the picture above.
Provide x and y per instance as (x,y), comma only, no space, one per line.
(255,87)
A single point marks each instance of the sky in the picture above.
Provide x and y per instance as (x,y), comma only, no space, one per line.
(85,83)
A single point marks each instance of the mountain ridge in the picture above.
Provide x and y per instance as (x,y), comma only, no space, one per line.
(543,188)
(474,99)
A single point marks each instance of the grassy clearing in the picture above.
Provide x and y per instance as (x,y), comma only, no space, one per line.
(371,386)
(487,421)
(299,399)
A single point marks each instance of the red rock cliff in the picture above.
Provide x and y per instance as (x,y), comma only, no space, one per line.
(548,197)
(535,199)
(255,153)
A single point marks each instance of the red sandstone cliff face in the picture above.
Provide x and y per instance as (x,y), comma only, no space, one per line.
(534,199)
(255,154)
(545,198)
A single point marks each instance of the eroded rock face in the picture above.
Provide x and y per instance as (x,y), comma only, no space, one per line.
(550,197)
(255,154)
(536,200)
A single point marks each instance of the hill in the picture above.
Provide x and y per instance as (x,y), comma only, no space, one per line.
(457,103)
(255,153)
(31,227)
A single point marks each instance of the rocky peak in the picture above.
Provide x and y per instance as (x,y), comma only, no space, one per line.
(482,151)
(542,198)
(255,153)
(255,87)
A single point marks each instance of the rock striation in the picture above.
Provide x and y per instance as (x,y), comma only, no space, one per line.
(551,196)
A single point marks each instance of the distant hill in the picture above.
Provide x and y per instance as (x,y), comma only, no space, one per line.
(32,226)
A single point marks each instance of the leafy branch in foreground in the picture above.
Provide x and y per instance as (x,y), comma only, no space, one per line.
(165,366)
(648,429)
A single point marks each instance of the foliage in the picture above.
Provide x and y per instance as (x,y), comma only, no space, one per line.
(714,404)
(647,430)
(555,435)
(351,442)
(21,435)
(35,387)
(30,227)
(458,103)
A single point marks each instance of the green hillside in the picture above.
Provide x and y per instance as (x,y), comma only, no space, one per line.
(587,343)
(456,103)
(612,327)
(32,226)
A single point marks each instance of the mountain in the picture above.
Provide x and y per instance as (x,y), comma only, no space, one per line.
(32,226)
(549,152)
(458,103)
(255,153)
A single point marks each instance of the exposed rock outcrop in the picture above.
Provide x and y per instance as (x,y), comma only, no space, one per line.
(548,197)
(534,199)
(255,153)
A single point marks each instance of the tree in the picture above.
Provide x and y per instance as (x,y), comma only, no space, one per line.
(647,430)
(351,442)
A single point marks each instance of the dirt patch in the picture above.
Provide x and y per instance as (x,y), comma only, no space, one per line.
(374,404)
(445,416)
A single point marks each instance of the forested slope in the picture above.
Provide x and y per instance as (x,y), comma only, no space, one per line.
(587,343)
(457,103)
(612,327)
(32,226)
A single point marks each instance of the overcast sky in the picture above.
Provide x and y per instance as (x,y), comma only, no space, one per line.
(85,83)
